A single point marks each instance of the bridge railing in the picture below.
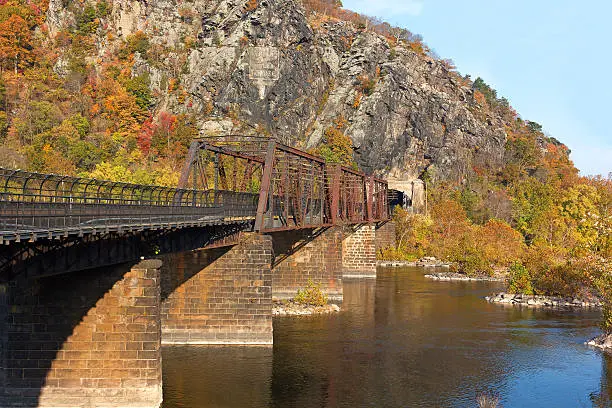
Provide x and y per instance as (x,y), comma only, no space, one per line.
(34,203)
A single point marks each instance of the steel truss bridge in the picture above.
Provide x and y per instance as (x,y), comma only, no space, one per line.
(228,184)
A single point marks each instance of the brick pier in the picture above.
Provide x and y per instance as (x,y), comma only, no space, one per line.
(359,252)
(307,255)
(385,236)
(90,339)
(219,296)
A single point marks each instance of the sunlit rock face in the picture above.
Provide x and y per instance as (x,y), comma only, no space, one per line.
(267,67)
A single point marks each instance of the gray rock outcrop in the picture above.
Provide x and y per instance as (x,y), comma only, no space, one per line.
(272,70)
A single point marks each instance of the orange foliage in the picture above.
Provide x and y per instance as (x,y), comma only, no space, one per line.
(451,228)
(251,5)
(480,98)
(501,244)
(15,38)
(357,99)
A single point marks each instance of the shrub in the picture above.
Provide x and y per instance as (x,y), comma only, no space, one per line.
(552,274)
(500,244)
(3,125)
(137,42)
(599,272)
(311,295)
(396,254)
(366,84)
(520,280)
(472,261)
(251,5)
(411,232)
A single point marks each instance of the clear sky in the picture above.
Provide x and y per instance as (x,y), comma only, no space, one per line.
(552,59)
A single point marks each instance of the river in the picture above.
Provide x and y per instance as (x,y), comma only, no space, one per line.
(402,341)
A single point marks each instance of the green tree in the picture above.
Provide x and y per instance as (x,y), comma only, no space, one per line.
(39,117)
(489,93)
(139,86)
(86,21)
(3,125)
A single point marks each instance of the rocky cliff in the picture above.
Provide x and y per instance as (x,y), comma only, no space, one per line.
(270,67)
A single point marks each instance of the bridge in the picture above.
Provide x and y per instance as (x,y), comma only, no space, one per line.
(82,323)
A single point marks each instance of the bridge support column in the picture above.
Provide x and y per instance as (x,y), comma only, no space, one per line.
(89,339)
(305,255)
(219,296)
(385,236)
(359,252)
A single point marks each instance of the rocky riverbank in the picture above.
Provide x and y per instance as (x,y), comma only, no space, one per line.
(396,264)
(452,276)
(291,308)
(427,262)
(603,341)
(541,301)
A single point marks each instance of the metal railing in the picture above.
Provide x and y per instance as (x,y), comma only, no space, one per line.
(37,205)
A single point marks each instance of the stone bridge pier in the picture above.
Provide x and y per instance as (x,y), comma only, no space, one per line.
(326,256)
(90,339)
(219,296)
(304,256)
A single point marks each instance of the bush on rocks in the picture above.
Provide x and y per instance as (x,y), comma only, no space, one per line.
(311,295)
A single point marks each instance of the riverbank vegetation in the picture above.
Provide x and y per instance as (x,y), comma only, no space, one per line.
(555,238)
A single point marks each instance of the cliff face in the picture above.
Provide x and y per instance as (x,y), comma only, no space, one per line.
(246,66)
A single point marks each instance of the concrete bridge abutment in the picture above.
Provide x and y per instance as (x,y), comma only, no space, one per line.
(90,339)
(219,296)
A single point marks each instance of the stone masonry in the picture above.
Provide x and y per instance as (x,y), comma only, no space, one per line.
(385,236)
(307,255)
(359,253)
(90,339)
(219,296)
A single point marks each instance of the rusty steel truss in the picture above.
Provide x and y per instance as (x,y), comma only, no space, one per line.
(295,189)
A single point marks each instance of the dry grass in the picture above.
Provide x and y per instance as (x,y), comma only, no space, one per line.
(487,400)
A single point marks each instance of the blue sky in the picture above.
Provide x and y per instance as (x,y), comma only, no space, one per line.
(552,59)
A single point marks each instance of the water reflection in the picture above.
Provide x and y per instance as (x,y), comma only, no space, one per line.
(216,377)
(403,341)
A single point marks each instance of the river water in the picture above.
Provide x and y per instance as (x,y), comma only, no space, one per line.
(402,341)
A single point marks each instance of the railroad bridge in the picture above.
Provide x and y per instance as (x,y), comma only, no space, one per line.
(82,320)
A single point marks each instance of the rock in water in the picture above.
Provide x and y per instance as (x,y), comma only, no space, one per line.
(603,341)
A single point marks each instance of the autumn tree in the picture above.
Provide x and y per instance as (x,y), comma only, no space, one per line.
(15,43)
(337,147)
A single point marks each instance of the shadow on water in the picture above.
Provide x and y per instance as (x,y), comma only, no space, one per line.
(403,341)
